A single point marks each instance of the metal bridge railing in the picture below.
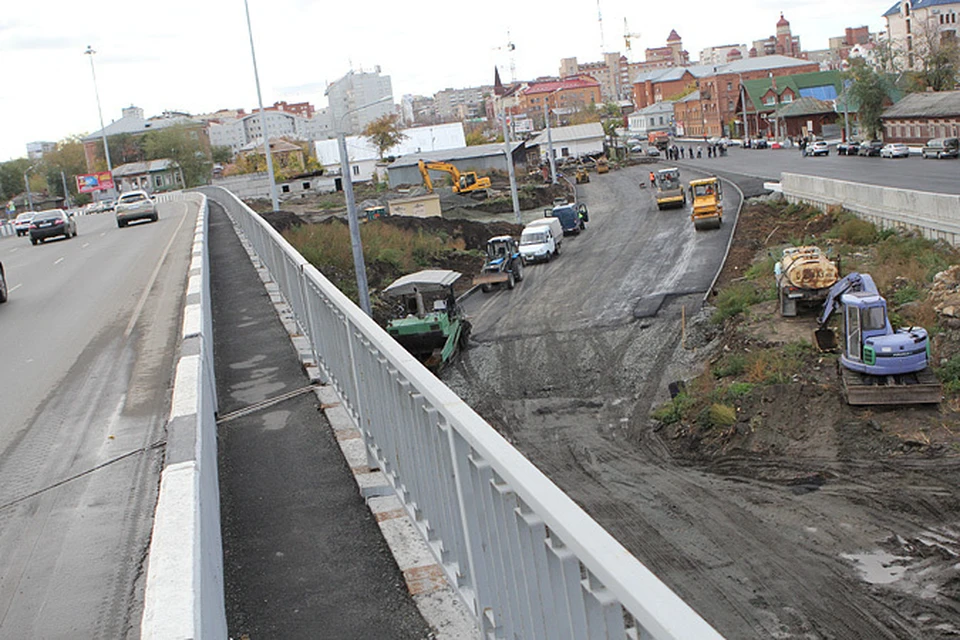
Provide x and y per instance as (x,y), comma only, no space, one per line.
(527,561)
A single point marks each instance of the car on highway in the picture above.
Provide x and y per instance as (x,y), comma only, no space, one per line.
(817,148)
(135,205)
(3,285)
(50,224)
(895,150)
(22,223)
(871,148)
(941,148)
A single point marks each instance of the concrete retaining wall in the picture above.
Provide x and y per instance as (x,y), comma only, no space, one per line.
(935,215)
(184,584)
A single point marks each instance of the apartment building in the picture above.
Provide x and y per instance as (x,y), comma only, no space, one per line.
(557,96)
(358,89)
(917,27)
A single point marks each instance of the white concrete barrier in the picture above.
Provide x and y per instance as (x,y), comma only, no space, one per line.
(184,585)
(935,215)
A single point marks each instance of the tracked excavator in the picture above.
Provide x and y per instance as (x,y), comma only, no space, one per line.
(878,365)
(467,182)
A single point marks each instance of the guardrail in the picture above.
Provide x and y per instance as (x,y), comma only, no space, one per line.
(184,584)
(935,215)
(527,561)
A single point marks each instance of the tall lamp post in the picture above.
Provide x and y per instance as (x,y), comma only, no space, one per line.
(263,118)
(358,264)
(508,153)
(96,91)
(553,161)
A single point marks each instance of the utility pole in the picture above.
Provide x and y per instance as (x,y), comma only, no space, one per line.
(103,131)
(263,118)
(26,181)
(508,153)
(66,192)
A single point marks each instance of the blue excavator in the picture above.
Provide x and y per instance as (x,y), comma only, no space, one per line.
(878,365)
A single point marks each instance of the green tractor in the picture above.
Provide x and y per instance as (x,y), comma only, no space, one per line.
(427,321)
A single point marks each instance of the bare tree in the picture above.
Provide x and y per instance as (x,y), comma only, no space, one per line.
(938,53)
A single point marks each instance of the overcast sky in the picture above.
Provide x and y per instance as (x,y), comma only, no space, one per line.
(195,56)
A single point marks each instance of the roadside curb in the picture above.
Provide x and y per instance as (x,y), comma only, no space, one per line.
(426,582)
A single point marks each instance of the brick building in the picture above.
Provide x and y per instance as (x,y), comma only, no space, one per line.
(914,26)
(762,97)
(918,117)
(567,95)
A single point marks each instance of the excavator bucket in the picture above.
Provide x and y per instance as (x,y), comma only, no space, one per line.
(825,339)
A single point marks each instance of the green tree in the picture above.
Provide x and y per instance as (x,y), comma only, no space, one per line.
(384,133)
(69,158)
(869,89)
(476,136)
(181,144)
(221,154)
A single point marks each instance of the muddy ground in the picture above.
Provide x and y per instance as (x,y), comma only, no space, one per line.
(806,519)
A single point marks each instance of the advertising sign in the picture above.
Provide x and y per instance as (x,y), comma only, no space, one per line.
(100,181)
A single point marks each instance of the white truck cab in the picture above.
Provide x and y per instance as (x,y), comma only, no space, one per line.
(541,240)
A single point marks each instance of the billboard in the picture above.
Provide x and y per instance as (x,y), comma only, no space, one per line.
(99,181)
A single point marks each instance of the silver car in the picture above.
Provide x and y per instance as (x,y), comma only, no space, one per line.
(22,224)
(135,205)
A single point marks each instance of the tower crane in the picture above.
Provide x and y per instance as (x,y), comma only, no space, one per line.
(627,36)
(509,47)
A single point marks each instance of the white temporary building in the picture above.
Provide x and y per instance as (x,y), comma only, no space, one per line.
(364,155)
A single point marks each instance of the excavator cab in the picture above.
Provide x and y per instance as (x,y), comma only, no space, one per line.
(467,180)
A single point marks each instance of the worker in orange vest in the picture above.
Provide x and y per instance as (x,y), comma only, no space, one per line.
(653,179)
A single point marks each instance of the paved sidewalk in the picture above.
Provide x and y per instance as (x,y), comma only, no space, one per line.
(303,554)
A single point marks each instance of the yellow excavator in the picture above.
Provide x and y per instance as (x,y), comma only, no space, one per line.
(466,182)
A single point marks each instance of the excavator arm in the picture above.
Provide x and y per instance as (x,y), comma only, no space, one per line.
(853,281)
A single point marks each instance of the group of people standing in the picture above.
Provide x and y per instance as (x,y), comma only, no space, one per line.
(678,152)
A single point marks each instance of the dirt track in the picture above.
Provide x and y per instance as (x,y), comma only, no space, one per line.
(822,541)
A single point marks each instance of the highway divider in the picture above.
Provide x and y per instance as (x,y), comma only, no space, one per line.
(526,560)
(935,215)
(184,595)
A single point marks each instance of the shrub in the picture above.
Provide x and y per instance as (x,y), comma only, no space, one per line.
(857,232)
(949,374)
(734,300)
(761,269)
(673,411)
(732,365)
(717,415)
(738,390)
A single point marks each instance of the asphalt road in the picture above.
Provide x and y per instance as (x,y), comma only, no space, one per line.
(940,176)
(90,334)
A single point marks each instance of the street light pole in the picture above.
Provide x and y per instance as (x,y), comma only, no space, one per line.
(508,153)
(96,91)
(26,181)
(553,162)
(743,100)
(363,292)
(263,119)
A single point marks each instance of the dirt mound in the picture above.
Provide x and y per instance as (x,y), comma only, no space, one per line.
(474,234)
(282,220)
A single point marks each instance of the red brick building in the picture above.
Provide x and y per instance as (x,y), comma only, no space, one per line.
(569,94)
(919,117)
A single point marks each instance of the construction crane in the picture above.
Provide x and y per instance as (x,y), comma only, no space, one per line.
(627,36)
(603,44)
(509,47)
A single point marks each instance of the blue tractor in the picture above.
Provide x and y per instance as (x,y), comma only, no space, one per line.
(878,364)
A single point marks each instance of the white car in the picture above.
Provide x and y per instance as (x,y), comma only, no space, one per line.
(817,148)
(22,224)
(895,150)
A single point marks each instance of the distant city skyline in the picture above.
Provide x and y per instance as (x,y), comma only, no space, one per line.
(195,57)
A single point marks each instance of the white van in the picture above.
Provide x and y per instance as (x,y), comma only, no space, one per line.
(541,240)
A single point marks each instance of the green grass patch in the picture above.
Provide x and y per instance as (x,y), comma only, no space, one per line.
(735,299)
(949,374)
(675,410)
(731,365)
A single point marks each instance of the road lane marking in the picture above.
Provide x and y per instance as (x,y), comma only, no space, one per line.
(153,277)
(14,288)
(85,245)
(58,261)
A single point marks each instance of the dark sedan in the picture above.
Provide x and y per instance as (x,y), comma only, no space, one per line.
(848,148)
(3,285)
(50,224)
(871,148)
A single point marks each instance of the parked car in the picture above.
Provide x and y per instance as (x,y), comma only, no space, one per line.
(50,224)
(817,148)
(895,150)
(3,285)
(871,148)
(849,148)
(22,223)
(653,152)
(135,205)
(759,143)
(636,149)
(941,148)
